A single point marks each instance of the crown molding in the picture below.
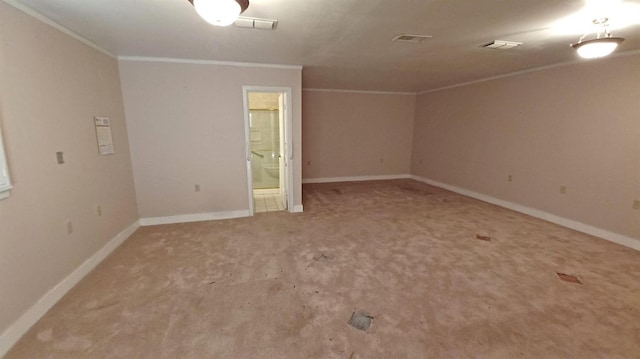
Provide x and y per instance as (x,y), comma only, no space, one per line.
(527,71)
(207,62)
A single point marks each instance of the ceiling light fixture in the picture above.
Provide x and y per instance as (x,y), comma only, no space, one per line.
(220,12)
(600,46)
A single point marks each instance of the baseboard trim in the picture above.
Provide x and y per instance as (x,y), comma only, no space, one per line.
(197,217)
(297,209)
(355,179)
(575,225)
(11,336)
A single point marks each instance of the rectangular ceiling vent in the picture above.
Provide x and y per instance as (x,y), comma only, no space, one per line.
(501,45)
(255,23)
(416,39)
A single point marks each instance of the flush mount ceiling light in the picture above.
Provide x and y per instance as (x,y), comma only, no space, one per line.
(602,45)
(220,12)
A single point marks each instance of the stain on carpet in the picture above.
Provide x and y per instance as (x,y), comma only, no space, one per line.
(568,278)
(323,258)
(483,238)
(361,321)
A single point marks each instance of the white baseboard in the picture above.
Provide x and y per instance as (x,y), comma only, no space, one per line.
(11,336)
(354,179)
(197,217)
(297,209)
(578,226)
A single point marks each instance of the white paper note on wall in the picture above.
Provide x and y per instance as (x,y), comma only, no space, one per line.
(103,135)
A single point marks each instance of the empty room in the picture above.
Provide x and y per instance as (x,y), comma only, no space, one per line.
(319,179)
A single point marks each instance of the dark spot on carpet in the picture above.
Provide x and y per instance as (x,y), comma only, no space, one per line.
(361,320)
(569,278)
(337,191)
(323,258)
(483,238)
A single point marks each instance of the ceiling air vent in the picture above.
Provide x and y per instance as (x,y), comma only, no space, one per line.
(255,23)
(501,44)
(411,38)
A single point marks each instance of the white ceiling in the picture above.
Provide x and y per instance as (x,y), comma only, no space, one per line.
(346,44)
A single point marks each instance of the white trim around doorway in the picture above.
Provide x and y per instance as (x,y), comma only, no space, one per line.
(288,123)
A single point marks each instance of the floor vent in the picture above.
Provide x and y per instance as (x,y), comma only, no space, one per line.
(501,45)
(361,320)
(416,39)
(569,278)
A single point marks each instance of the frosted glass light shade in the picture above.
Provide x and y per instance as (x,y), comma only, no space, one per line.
(218,12)
(593,49)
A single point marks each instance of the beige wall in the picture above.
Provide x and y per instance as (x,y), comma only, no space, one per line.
(186,127)
(351,134)
(575,125)
(51,86)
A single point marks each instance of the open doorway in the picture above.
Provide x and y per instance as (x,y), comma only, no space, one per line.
(267,125)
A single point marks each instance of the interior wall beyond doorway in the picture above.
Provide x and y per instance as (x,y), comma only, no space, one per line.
(264,139)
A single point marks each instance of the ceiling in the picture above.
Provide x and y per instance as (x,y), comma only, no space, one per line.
(346,44)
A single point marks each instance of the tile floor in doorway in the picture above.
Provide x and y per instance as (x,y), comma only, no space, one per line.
(267,200)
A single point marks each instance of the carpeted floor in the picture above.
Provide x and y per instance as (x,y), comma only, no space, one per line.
(442,275)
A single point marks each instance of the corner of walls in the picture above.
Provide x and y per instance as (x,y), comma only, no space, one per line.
(61,219)
(556,155)
(179,139)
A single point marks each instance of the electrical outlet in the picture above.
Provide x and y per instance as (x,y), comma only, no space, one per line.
(60,157)
(636,204)
(510,178)
(69,227)
(99,210)
(563,189)
(197,187)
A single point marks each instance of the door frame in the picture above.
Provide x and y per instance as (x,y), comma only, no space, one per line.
(288,140)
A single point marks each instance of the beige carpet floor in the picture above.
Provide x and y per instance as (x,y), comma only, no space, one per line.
(282,285)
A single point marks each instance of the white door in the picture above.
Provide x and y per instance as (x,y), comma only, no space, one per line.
(284,160)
